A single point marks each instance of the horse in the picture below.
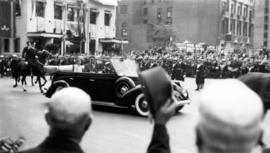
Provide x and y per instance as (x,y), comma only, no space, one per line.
(42,59)
(19,68)
(22,68)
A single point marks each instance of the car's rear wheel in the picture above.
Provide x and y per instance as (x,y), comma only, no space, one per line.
(141,105)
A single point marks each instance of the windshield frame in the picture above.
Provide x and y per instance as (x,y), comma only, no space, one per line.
(125,67)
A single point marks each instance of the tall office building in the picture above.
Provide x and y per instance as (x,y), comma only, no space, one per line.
(228,24)
(261,31)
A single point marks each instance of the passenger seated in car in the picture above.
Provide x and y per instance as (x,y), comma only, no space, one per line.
(90,66)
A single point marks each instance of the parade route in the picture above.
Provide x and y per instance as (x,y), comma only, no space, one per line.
(113,129)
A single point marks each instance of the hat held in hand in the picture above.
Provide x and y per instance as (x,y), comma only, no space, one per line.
(156,86)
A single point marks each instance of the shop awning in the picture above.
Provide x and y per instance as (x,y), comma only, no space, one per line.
(106,40)
(45,35)
(107,2)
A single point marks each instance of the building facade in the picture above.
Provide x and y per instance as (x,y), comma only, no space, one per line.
(261,31)
(73,25)
(8,41)
(227,24)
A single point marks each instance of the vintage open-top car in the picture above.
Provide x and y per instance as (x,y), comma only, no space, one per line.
(113,82)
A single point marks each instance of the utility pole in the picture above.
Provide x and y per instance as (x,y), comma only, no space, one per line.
(86,27)
(63,46)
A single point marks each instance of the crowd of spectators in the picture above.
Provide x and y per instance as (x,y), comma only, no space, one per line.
(217,64)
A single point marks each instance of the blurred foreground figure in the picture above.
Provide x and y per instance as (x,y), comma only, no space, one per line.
(69,116)
(7,145)
(230,118)
(259,83)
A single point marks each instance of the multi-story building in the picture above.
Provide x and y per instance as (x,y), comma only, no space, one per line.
(8,41)
(228,24)
(80,25)
(262,22)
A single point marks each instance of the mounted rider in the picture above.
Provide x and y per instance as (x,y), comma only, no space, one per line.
(30,52)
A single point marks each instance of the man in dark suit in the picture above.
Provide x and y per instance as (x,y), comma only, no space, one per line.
(69,116)
(25,49)
(200,75)
(224,124)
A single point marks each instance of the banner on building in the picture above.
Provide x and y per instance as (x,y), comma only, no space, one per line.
(6,17)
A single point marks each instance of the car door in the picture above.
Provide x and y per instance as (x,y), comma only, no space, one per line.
(85,82)
(105,81)
(105,85)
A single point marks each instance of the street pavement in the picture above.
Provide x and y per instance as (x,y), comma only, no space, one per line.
(113,129)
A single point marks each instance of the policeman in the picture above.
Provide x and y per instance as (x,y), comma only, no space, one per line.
(200,75)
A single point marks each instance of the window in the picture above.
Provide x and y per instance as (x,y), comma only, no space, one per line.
(145,11)
(58,12)
(239,11)
(17,45)
(239,28)
(266,27)
(266,2)
(18,8)
(169,21)
(6,45)
(93,16)
(70,14)
(232,8)
(124,29)
(266,19)
(123,9)
(169,12)
(266,10)
(159,12)
(245,29)
(225,25)
(246,11)
(265,43)
(233,26)
(40,9)
(265,35)
(250,14)
(107,18)
(228,5)
(145,21)
(250,32)
(224,6)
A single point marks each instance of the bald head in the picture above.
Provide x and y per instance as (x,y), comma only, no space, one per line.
(230,116)
(69,107)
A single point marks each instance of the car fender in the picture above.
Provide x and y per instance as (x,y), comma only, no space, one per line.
(119,84)
(127,79)
(52,88)
(180,90)
(129,98)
